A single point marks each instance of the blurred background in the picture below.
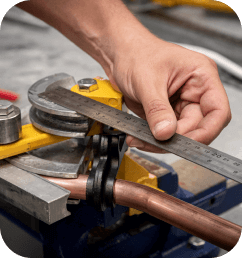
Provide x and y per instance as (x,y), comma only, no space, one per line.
(31,50)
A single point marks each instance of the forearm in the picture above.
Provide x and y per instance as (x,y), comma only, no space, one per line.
(101,28)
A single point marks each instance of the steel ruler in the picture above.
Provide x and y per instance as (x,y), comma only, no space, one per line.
(179,145)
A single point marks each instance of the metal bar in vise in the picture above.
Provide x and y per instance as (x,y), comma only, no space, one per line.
(33,194)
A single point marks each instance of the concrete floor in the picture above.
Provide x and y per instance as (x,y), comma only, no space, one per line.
(31,52)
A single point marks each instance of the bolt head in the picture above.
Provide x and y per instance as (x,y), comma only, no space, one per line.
(86,84)
(196,242)
(6,107)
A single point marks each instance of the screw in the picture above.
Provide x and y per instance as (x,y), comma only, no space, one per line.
(196,242)
(6,107)
(87,84)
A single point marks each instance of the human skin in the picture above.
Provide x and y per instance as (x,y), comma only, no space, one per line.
(174,89)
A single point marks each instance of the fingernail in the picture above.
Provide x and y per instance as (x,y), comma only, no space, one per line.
(137,143)
(161,126)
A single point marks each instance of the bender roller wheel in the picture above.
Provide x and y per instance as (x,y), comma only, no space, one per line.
(52,118)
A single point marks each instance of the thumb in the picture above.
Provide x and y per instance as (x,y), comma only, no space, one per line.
(159,115)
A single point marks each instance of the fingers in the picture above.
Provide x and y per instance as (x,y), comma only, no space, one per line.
(134,142)
(159,113)
(190,116)
(216,111)
(162,122)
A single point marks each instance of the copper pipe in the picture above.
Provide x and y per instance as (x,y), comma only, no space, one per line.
(76,186)
(185,216)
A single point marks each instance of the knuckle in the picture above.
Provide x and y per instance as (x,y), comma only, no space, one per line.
(156,106)
(207,61)
(229,117)
(212,62)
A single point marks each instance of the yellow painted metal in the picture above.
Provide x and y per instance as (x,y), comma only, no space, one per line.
(131,171)
(31,139)
(104,94)
(97,128)
(208,4)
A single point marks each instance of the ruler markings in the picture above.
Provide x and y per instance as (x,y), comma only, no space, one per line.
(182,146)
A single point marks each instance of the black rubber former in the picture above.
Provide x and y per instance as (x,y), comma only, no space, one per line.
(108,154)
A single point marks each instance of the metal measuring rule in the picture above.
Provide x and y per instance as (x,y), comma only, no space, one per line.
(179,145)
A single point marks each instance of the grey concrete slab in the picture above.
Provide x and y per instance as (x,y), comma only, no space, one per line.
(175,32)
(226,24)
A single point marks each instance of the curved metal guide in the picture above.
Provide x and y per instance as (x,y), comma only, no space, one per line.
(44,167)
(61,79)
(53,118)
(65,159)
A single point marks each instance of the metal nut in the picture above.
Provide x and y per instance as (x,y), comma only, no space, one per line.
(196,242)
(87,84)
(6,107)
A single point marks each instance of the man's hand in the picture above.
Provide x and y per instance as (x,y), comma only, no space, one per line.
(174,89)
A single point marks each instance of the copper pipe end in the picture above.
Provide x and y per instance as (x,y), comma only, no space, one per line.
(185,216)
